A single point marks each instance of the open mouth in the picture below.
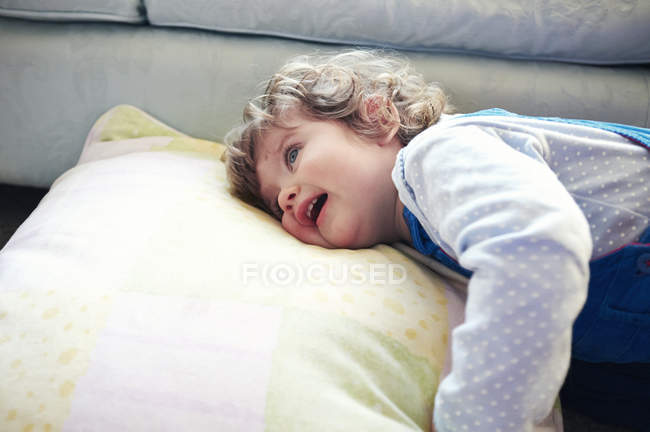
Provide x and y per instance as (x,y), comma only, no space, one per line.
(314,208)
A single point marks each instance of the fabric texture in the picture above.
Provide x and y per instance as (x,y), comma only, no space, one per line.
(518,196)
(87,67)
(596,32)
(638,135)
(619,282)
(132,299)
(126,11)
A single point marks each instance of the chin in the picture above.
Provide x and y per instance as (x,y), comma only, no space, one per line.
(351,239)
(340,243)
(353,242)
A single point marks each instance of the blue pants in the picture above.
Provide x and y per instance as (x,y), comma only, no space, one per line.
(609,376)
(611,393)
(614,324)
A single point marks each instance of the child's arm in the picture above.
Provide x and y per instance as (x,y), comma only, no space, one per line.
(509,220)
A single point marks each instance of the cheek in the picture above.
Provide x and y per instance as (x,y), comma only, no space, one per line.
(309,235)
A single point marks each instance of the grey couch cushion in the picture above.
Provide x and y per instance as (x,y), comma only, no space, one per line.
(595,32)
(56,79)
(127,11)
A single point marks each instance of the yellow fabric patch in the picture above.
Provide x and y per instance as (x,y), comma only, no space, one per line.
(42,360)
(127,122)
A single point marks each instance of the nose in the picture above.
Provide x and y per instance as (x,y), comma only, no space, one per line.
(287,197)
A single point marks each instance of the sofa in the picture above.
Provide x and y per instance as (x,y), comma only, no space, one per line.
(140,296)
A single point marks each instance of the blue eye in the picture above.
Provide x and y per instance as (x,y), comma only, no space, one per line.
(292,155)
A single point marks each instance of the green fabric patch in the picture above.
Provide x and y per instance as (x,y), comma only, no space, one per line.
(128,122)
(330,373)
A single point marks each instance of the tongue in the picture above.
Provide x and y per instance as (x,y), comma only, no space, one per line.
(318,206)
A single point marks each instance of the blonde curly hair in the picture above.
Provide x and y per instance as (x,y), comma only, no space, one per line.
(355,87)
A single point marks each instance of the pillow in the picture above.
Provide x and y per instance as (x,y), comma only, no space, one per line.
(125,11)
(140,295)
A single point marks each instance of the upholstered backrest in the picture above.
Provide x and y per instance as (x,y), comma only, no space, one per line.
(56,77)
(601,32)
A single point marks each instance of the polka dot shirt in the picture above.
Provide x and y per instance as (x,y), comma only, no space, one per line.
(524,204)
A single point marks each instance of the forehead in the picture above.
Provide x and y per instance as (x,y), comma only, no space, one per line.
(269,142)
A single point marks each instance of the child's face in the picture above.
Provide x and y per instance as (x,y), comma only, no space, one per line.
(329,186)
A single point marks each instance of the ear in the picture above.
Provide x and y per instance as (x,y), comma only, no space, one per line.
(394,122)
(380,109)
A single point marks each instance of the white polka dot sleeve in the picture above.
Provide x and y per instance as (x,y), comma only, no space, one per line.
(506,217)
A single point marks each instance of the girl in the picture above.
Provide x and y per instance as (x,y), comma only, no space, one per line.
(356,149)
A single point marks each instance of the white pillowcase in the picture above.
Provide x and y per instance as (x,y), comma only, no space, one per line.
(140,295)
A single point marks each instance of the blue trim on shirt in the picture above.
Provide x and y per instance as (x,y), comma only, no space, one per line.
(635,134)
(423,244)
